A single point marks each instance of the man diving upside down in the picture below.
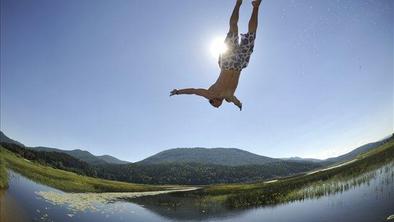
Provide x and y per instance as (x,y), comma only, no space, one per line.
(231,62)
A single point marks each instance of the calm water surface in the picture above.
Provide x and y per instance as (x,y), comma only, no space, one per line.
(369,202)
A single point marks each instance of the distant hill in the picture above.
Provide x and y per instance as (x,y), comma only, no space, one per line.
(58,160)
(345,157)
(79,154)
(217,156)
(299,159)
(111,159)
(5,139)
(354,153)
(84,156)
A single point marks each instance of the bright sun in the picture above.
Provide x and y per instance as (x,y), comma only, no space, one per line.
(217,47)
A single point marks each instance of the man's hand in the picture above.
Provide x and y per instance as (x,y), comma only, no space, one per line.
(239,106)
(236,102)
(174,92)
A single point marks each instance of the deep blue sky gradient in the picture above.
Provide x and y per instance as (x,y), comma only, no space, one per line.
(96,74)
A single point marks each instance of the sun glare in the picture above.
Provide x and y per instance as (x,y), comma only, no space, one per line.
(217,47)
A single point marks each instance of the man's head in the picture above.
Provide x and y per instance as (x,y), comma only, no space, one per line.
(216,102)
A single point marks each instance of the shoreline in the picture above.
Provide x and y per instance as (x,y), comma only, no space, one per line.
(89,201)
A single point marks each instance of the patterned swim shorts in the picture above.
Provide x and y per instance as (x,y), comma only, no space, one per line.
(238,54)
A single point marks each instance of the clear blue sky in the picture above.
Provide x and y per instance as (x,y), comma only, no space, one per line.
(96,75)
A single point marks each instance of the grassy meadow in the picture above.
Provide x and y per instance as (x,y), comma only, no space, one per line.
(3,174)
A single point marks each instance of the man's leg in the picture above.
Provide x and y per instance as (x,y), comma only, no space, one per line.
(254,17)
(234,17)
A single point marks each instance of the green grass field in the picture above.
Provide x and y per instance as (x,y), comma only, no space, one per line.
(64,180)
(3,174)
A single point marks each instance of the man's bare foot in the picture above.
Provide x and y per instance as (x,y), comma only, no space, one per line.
(256,3)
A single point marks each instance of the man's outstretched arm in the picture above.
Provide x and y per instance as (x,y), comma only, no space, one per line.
(236,102)
(191,91)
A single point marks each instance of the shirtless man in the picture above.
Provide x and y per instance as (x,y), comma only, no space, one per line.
(231,62)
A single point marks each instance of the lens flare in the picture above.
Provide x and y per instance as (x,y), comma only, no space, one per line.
(217,47)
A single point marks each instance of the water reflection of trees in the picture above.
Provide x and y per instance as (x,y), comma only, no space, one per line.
(183,206)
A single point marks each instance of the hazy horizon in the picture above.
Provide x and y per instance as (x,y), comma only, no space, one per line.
(96,75)
(83,149)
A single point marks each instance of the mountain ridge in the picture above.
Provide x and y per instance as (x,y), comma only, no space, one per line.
(84,156)
(357,151)
(181,165)
(111,159)
(219,156)
(76,153)
(6,139)
(297,158)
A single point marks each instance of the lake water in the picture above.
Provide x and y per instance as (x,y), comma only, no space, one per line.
(371,201)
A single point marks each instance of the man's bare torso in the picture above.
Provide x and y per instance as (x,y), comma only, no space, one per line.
(226,84)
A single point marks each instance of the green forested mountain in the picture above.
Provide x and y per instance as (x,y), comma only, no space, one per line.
(79,154)
(84,156)
(112,160)
(299,159)
(217,156)
(6,139)
(57,160)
